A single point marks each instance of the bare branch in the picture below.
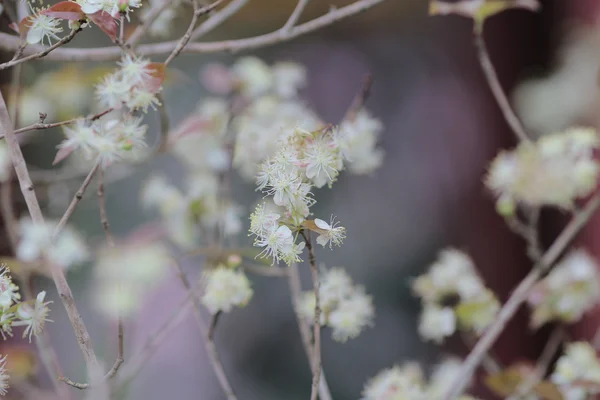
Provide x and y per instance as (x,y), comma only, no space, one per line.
(520,294)
(11,42)
(218,18)
(296,14)
(62,286)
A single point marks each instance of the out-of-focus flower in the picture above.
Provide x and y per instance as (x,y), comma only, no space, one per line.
(405,382)
(344,307)
(67,249)
(253,76)
(9,292)
(437,323)
(555,171)
(571,289)
(224,289)
(357,139)
(577,372)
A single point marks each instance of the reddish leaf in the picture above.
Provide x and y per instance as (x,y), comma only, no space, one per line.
(24,26)
(65,10)
(62,153)
(105,22)
(158,72)
(193,125)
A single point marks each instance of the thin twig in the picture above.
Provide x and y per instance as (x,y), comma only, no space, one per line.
(360,98)
(496,88)
(198,11)
(209,344)
(164,124)
(304,328)
(76,199)
(11,42)
(312,260)
(147,22)
(296,14)
(40,125)
(62,286)
(43,53)
(520,294)
(218,18)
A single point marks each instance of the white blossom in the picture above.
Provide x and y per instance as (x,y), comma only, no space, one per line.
(224,289)
(33,316)
(577,372)
(331,234)
(437,323)
(42,28)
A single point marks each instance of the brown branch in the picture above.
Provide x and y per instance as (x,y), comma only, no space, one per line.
(312,260)
(295,16)
(360,98)
(198,11)
(496,88)
(218,18)
(43,53)
(209,344)
(41,125)
(76,200)
(520,294)
(62,286)
(304,328)
(10,42)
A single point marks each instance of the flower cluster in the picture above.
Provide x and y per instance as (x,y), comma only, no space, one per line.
(135,85)
(345,307)
(570,290)
(408,382)
(577,372)
(453,294)
(554,171)
(107,141)
(65,250)
(31,314)
(124,275)
(112,7)
(225,288)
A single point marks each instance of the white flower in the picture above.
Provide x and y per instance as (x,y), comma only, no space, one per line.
(141,98)
(335,286)
(66,250)
(253,76)
(443,377)
(262,221)
(113,90)
(358,142)
(397,383)
(351,316)
(4,377)
(571,289)
(331,233)
(279,244)
(226,288)
(42,27)
(9,292)
(125,274)
(33,316)
(135,70)
(578,366)
(436,323)
(322,161)
(289,77)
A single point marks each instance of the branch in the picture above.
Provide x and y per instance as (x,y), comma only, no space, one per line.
(520,295)
(11,42)
(317,317)
(43,53)
(289,24)
(209,344)
(76,199)
(62,286)
(198,11)
(496,88)
(304,328)
(218,18)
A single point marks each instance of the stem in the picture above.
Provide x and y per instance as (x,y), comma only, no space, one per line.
(289,24)
(62,286)
(317,317)
(304,328)
(496,88)
(520,295)
(209,344)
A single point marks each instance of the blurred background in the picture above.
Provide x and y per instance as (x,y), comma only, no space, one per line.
(442,127)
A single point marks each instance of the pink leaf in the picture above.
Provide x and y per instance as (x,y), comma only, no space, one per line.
(105,22)
(158,72)
(65,10)
(24,26)
(63,152)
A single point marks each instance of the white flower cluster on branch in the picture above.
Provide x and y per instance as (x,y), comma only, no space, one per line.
(454,296)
